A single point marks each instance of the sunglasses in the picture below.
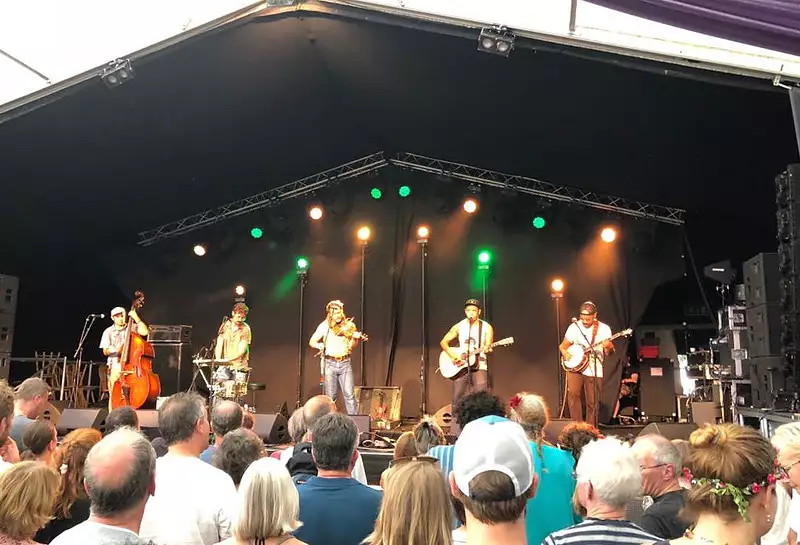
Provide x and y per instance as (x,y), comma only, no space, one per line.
(784,471)
(406,459)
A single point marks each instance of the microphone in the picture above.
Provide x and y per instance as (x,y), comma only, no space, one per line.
(97,315)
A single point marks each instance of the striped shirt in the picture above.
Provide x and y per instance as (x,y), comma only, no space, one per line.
(444,453)
(601,532)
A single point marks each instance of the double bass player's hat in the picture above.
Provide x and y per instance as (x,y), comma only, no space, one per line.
(588,308)
(117,310)
(334,304)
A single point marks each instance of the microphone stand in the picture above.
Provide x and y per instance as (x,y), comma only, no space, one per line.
(78,356)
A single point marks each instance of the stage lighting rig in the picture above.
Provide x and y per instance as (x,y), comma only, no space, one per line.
(117,72)
(497,41)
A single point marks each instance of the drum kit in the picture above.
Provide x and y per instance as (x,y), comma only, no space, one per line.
(226,381)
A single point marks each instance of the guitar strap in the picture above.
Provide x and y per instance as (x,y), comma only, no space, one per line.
(595,327)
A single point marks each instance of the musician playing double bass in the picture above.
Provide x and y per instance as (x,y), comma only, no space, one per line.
(587,332)
(113,340)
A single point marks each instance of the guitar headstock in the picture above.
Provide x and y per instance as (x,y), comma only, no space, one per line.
(505,342)
(627,332)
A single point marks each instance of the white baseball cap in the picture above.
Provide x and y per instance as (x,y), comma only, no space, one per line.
(117,310)
(493,443)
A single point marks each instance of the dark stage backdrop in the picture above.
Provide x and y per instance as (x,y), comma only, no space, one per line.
(199,291)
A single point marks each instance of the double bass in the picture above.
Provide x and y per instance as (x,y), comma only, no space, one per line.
(138,383)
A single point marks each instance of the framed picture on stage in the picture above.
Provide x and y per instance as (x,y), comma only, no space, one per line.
(382,403)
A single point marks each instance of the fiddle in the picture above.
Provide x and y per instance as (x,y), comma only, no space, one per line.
(347,329)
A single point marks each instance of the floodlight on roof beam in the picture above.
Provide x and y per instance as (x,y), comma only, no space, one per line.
(497,41)
(117,72)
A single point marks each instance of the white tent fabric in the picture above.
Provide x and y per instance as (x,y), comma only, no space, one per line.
(47,43)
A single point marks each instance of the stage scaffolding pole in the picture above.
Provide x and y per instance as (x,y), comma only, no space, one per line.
(423,364)
(301,345)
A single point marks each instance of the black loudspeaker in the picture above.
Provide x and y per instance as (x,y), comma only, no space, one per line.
(73,419)
(670,430)
(5,365)
(272,428)
(761,280)
(148,423)
(766,378)
(764,330)
(657,395)
(173,365)
(553,429)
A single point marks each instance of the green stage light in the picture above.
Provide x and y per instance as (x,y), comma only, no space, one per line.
(376,193)
(256,232)
(484,257)
(404,191)
(539,222)
(302,264)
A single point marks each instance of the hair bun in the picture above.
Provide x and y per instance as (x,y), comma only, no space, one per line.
(708,436)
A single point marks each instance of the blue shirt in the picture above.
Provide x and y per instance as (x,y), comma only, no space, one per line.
(551,508)
(18,426)
(338,511)
(208,453)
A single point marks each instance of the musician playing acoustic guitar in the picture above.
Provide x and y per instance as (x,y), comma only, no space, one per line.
(586,332)
(472,333)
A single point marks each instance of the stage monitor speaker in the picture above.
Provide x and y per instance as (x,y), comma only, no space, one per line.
(273,428)
(362,422)
(173,365)
(764,330)
(761,280)
(657,388)
(444,416)
(148,423)
(553,429)
(670,430)
(73,419)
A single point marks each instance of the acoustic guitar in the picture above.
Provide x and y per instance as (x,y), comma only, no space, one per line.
(578,359)
(470,357)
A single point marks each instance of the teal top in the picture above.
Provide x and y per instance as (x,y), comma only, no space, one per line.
(551,508)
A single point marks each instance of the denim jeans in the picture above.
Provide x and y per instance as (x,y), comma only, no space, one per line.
(343,372)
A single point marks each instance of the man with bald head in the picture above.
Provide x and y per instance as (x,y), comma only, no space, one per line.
(660,464)
(119,477)
(225,416)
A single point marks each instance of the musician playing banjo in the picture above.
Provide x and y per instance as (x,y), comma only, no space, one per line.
(472,334)
(587,332)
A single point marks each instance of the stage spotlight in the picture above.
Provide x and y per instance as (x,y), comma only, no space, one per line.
(301,264)
(539,222)
(117,72)
(375,193)
(315,213)
(423,232)
(470,206)
(363,234)
(256,232)
(199,250)
(404,191)
(557,286)
(484,257)
(608,234)
(239,290)
(496,41)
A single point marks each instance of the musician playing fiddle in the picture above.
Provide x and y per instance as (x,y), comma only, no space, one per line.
(233,341)
(113,340)
(335,338)
(586,332)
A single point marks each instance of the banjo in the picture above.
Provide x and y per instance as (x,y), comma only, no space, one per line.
(578,359)
(469,358)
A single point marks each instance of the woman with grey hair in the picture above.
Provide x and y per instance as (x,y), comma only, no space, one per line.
(297,430)
(608,478)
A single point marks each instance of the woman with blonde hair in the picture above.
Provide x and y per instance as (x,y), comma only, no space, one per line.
(72,502)
(786,441)
(268,506)
(27,493)
(732,496)
(554,468)
(416,507)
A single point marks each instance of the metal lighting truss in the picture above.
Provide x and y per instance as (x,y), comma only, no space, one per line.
(531,186)
(419,163)
(266,199)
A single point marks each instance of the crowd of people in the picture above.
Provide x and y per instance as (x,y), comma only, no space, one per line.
(504,480)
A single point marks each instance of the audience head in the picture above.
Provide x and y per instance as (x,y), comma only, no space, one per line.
(248,420)
(225,416)
(531,412)
(32,396)
(27,494)
(660,464)
(405,446)
(786,441)
(607,476)
(69,460)
(334,438)
(474,406)
(576,435)
(315,408)
(297,425)
(6,410)
(269,504)
(183,418)
(415,509)
(239,448)
(427,434)
(122,417)
(120,473)
(40,438)
(493,473)
(733,476)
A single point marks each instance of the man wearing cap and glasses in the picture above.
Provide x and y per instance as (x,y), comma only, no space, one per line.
(113,340)
(473,334)
(587,332)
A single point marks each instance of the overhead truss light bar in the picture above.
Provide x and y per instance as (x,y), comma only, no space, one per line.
(473,175)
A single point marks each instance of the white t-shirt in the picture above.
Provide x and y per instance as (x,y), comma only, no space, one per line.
(4,465)
(574,336)
(194,503)
(468,337)
(786,511)
(336,346)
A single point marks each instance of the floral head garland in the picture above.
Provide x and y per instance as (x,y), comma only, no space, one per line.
(514,402)
(739,495)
